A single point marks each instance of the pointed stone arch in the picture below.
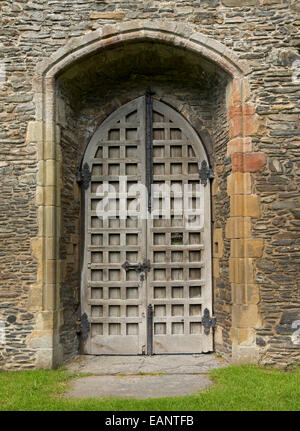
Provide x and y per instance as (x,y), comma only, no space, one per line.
(45,132)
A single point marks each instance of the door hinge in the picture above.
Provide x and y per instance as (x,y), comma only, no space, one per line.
(208,321)
(84,176)
(84,326)
(150,330)
(149,145)
(205,173)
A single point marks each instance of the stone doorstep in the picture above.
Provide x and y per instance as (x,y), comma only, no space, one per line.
(133,365)
(142,387)
(141,376)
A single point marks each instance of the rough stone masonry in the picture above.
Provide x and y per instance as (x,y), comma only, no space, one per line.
(232,68)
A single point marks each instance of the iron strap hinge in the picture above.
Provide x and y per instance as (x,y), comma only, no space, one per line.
(208,321)
(84,326)
(149,145)
(205,173)
(150,330)
(84,176)
(138,267)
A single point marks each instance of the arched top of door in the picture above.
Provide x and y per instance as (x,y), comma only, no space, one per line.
(176,120)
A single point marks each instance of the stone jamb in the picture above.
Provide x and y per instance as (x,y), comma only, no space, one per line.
(244,205)
(45,133)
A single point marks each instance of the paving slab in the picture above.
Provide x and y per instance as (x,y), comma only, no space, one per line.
(132,365)
(141,376)
(138,386)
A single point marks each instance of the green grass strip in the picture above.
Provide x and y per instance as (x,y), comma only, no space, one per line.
(236,388)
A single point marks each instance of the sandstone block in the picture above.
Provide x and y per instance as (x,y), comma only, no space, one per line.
(238,227)
(239,183)
(34,132)
(238,3)
(242,354)
(244,205)
(218,243)
(35,300)
(219,335)
(239,145)
(251,125)
(50,222)
(241,270)
(106,15)
(50,195)
(242,294)
(246,247)
(248,162)
(216,267)
(271,1)
(236,127)
(243,336)
(239,109)
(50,177)
(245,316)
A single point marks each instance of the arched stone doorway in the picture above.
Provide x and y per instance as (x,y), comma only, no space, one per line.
(235,291)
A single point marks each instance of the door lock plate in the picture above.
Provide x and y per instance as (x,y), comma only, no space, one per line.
(138,267)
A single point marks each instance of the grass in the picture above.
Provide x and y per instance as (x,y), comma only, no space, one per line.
(236,388)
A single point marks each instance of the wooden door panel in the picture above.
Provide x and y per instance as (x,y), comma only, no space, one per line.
(114,299)
(179,281)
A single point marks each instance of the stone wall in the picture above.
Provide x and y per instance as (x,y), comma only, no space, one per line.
(220,215)
(265,33)
(70,229)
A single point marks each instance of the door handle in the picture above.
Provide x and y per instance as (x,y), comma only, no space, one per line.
(138,267)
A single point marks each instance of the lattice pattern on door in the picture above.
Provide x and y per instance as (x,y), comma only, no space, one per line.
(176,252)
(116,297)
(179,282)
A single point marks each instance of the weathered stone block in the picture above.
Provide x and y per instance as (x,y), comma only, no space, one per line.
(218,245)
(248,162)
(239,145)
(241,270)
(218,335)
(107,15)
(271,1)
(34,131)
(246,247)
(238,227)
(216,267)
(243,336)
(245,205)
(236,127)
(251,124)
(41,339)
(237,3)
(51,173)
(50,221)
(239,183)
(240,109)
(245,316)
(244,354)
(245,294)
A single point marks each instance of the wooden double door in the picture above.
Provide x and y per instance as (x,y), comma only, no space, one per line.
(146,274)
